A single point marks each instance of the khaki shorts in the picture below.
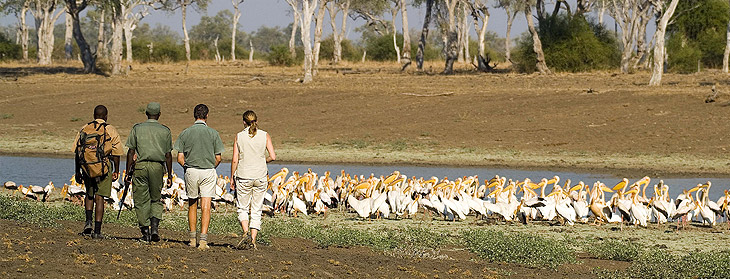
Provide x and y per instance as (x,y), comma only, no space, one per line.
(103,188)
(200,183)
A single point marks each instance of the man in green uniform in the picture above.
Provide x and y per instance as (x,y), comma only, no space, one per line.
(199,150)
(98,189)
(152,143)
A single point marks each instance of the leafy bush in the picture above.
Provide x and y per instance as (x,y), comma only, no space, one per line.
(28,211)
(521,248)
(683,55)
(571,44)
(164,51)
(349,52)
(9,50)
(660,265)
(616,250)
(279,56)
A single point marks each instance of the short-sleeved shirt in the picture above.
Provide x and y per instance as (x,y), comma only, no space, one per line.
(151,140)
(200,144)
(117,148)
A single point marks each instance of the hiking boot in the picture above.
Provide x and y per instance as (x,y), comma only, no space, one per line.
(88,228)
(98,236)
(154,229)
(193,239)
(145,234)
(203,245)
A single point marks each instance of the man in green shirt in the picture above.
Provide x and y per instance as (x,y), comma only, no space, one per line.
(199,150)
(151,142)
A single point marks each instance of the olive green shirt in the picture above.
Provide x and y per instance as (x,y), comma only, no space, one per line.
(151,140)
(200,144)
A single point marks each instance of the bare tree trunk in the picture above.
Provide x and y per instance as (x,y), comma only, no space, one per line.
(250,52)
(726,56)
(45,18)
(308,7)
(465,35)
(601,11)
(659,50)
(68,37)
(482,61)
(318,33)
(74,9)
(507,40)
(451,37)
(406,52)
(117,45)
(186,38)
(394,32)
(424,34)
(292,40)
(217,53)
(641,45)
(234,28)
(536,44)
(461,26)
(128,42)
(100,37)
(24,31)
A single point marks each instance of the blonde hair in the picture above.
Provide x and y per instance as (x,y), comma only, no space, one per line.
(249,117)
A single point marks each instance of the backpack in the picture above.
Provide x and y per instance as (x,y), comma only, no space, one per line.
(92,151)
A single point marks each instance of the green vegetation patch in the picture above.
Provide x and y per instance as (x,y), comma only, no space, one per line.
(614,249)
(520,248)
(656,264)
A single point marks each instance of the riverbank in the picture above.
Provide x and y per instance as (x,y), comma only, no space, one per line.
(596,122)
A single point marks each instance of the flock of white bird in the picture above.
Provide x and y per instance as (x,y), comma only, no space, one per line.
(397,196)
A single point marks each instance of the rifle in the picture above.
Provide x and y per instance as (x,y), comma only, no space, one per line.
(130,172)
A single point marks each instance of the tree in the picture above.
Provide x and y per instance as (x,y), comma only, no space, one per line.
(536,43)
(319,22)
(20,9)
(659,50)
(172,5)
(333,8)
(305,9)
(726,55)
(67,47)
(234,26)
(480,12)
(449,29)
(46,13)
(130,19)
(295,26)
(631,16)
(424,34)
(406,55)
(512,8)
(74,8)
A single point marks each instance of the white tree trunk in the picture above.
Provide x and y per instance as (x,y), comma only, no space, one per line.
(217,53)
(68,37)
(451,37)
(45,17)
(234,28)
(294,28)
(24,31)
(536,44)
(100,42)
(406,52)
(128,42)
(727,49)
(186,38)
(508,41)
(117,44)
(130,19)
(250,53)
(319,23)
(659,50)
(394,13)
(305,22)
(338,34)
(465,36)
(601,11)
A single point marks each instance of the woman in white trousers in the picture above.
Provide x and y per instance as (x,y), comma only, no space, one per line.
(250,172)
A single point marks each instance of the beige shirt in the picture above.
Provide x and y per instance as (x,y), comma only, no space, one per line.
(117,147)
(251,155)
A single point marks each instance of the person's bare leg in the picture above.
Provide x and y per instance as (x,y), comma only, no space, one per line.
(205,219)
(244,226)
(193,220)
(254,232)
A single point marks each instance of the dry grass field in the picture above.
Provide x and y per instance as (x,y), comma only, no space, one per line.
(373,113)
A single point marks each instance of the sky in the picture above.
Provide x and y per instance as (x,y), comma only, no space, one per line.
(256,13)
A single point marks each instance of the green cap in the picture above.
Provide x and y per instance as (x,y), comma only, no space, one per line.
(153,108)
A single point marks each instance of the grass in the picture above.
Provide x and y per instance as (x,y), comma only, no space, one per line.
(75,119)
(614,249)
(656,264)
(521,248)
(7,116)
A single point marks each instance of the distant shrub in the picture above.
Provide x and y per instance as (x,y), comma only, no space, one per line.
(616,250)
(571,44)
(521,248)
(279,56)
(683,55)
(8,49)
(162,52)
(349,52)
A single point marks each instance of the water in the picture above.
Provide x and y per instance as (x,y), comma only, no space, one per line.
(39,171)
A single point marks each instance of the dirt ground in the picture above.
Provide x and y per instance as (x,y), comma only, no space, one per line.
(372,113)
(46,253)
